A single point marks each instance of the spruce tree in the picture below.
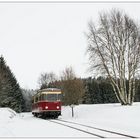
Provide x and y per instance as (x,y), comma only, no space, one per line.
(10,92)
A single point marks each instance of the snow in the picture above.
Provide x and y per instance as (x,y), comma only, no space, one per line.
(6,114)
(123,119)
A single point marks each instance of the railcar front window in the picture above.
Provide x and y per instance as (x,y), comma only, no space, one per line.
(52,97)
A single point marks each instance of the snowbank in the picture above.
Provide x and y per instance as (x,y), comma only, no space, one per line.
(6,114)
(114,117)
(125,119)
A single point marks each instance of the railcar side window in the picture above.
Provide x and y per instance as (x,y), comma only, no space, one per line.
(32,100)
(45,96)
(39,97)
(59,96)
(35,99)
(42,97)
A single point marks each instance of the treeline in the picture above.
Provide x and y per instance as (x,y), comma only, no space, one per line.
(78,90)
(99,91)
(82,91)
(75,90)
(94,91)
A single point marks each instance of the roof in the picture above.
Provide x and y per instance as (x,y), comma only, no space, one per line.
(48,90)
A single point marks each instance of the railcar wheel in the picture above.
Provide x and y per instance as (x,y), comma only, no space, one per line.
(43,116)
(55,117)
(36,114)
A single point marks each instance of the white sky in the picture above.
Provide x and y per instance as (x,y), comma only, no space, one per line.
(45,37)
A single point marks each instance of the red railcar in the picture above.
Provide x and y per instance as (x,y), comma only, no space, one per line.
(47,103)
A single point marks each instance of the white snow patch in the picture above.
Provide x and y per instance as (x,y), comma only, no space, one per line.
(123,119)
(6,114)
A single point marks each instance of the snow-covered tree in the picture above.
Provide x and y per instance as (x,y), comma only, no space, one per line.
(10,92)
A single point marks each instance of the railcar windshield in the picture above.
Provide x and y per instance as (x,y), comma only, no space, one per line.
(53,97)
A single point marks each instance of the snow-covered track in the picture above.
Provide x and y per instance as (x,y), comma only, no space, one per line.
(98,131)
(93,134)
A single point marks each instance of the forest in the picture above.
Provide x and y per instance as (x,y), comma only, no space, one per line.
(94,91)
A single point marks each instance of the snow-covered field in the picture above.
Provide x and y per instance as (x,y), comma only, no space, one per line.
(124,119)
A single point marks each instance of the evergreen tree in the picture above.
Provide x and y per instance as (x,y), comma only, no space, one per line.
(87,96)
(10,92)
(98,91)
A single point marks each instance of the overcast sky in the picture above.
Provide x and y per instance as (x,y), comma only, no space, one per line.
(36,38)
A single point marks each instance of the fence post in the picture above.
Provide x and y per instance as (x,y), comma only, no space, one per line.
(72,106)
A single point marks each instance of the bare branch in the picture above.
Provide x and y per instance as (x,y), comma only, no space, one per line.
(114,48)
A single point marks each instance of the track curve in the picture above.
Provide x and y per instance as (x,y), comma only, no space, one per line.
(99,136)
(91,127)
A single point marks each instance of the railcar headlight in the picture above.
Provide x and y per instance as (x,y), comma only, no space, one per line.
(46,107)
(57,107)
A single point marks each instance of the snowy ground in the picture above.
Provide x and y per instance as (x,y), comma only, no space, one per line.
(124,119)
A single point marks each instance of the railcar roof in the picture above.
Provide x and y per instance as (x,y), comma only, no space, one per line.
(48,90)
(51,89)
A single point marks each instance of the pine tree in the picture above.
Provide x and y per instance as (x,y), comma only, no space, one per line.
(98,91)
(10,92)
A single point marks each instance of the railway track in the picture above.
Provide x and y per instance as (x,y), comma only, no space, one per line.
(93,131)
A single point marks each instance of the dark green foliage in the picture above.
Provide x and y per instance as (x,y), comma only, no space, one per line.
(98,91)
(10,92)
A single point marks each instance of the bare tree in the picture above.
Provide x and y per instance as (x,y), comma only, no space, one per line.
(114,50)
(46,78)
(68,74)
(72,87)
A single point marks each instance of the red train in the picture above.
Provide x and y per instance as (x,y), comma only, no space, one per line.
(47,103)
